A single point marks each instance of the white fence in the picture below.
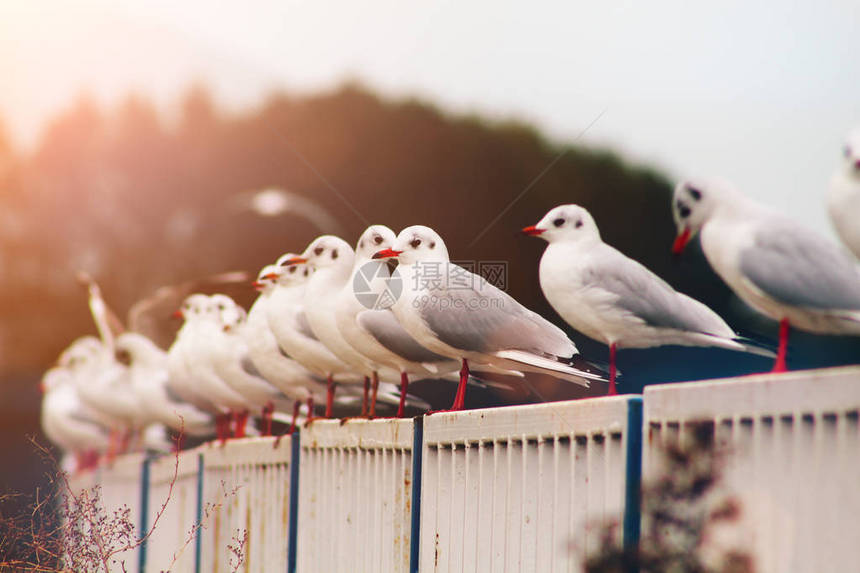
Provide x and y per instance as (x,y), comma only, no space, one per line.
(527,488)
(793,460)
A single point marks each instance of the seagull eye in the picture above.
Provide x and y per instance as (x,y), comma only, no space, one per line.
(432,244)
(292,269)
(333,254)
(695,193)
(377,239)
(578,224)
(415,243)
(220,307)
(306,272)
(558,222)
(683,210)
(318,251)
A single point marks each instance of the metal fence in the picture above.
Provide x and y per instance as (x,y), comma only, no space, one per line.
(355,496)
(792,460)
(526,488)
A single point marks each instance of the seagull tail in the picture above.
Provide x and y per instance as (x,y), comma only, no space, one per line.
(758,347)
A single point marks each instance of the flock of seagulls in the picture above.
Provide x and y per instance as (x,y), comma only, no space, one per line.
(320,332)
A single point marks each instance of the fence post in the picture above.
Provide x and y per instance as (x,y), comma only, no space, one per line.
(633,485)
(144,511)
(292,547)
(417,450)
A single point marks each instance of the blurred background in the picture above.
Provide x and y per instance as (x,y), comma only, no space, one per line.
(153,143)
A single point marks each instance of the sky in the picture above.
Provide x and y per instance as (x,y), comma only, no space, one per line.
(759,93)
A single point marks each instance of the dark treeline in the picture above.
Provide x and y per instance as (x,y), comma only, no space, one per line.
(140,204)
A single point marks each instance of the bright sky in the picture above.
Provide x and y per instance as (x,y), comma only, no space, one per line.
(760,93)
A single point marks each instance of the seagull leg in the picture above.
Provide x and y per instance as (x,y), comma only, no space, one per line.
(222,427)
(310,418)
(329,397)
(460,398)
(268,409)
(612,351)
(241,421)
(404,385)
(374,388)
(365,396)
(782,352)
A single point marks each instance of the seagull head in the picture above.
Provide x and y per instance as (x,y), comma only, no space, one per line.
(292,269)
(693,203)
(266,278)
(565,223)
(226,312)
(135,348)
(80,352)
(192,307)
(329,252)
(416,244)
(374,239)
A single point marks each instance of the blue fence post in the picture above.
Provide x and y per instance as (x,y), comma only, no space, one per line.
(295,455)
(198,541)
(632,501)
(144,513)
(417,454)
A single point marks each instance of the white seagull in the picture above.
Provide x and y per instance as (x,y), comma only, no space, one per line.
(614,299)
(369,325)
(772,263)
(843,203)
(458,314)
(149,381)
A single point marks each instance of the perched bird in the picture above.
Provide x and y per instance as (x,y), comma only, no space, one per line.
(287,375)
(289,323)
(843,203)
(229,357)
(367,323)
(458,314)
(149,381)
(68,422)
(614,299)
(772,263)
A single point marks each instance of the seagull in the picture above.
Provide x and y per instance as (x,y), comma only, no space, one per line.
(332,260)
(290,377)
(149,381)
(614,299)
(458,314)
(68,422)
(200,353)
(843,203)
(229,356)
(775,265)
(375,332)
(289,323)
(182,377)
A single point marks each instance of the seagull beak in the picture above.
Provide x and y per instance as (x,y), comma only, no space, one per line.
(294,261)
(386,253)
(270,276)
(41,387)
(532,231)
(681,241)
(258,284)
(177,314)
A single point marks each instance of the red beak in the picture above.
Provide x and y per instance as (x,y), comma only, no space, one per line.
(386,253)
(270,276)
(177,314)
(41,387)
(532,231)
(294,261)
(681,241)
(258,285)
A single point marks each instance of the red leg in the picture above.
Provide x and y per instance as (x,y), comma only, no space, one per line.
(329,397)
(404,386)
(612,351)
(311,416)
(365,396)
(241,421)
(460,398)
(781,354)
(222,427)
(268,409)
(374,389)
(296,405)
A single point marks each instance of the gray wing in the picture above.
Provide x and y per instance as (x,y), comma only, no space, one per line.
(250,368)
(303,326)
(386,329)
(796,266)
(648,297)
(468,313)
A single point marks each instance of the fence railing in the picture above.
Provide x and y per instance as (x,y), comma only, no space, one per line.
(525,488)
